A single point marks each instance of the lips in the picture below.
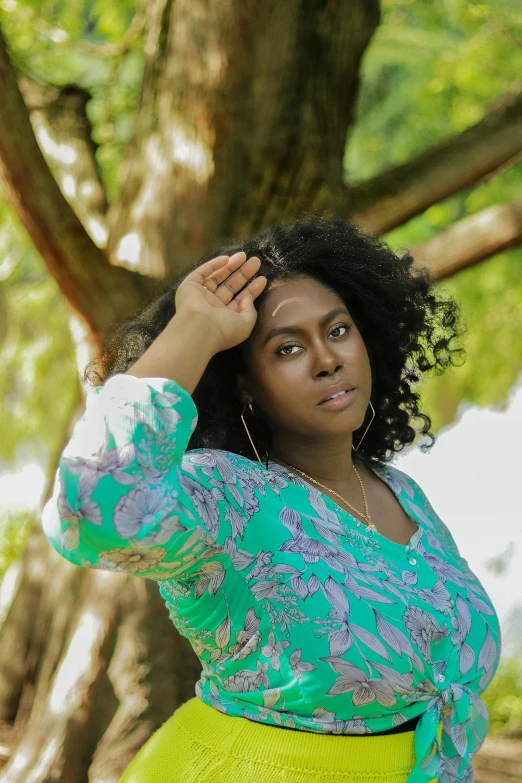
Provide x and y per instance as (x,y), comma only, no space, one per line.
(335,390)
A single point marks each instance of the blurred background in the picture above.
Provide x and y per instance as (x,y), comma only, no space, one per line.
(134,137)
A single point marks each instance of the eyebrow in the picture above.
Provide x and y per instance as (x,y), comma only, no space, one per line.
(299,330)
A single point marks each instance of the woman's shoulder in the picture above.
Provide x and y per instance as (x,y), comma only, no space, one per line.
(402,483)
(397,478)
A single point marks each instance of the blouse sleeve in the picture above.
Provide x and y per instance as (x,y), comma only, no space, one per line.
(117,502)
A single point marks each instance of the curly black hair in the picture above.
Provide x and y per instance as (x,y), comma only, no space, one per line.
(407,327)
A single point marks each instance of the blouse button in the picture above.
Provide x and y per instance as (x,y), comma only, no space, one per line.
(441,678)
(412,561)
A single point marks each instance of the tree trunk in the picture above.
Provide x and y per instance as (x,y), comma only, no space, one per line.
(100,669)
(243,120)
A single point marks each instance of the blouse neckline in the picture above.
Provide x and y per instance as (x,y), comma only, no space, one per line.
(361,527)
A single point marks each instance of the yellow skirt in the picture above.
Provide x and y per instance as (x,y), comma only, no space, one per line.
(199,744)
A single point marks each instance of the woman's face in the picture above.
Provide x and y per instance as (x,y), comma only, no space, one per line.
(304,347)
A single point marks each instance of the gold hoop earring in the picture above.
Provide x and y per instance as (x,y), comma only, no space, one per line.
(247,431)
(366,430)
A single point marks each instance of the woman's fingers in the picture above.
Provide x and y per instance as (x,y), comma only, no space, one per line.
(251,291)
(200,274)
(219,276)
(227,288)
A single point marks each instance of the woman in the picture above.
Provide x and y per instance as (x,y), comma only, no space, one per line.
(341,634)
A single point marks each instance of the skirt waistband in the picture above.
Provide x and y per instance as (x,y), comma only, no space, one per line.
(253,741)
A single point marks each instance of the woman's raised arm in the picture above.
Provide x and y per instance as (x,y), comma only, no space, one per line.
(118,503)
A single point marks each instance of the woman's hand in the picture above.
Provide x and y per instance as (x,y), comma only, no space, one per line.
(211,291)
(214,311)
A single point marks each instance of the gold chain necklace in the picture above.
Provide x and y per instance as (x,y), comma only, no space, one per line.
(366,515)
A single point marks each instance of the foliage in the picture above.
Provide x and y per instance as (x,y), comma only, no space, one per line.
(38,377)
(60,43)
(504,699)
(57,43)
(431,71)
(490,296)
(14,531)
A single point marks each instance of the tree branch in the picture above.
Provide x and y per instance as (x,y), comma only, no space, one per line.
(64,133)
(100,292)
(398,194)
(471,240)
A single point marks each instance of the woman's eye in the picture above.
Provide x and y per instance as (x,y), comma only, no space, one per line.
(346,328)
(284,348)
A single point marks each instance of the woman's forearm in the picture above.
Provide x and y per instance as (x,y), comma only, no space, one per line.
(181,352)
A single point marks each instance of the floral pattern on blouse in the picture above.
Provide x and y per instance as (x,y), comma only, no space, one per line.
(301,616)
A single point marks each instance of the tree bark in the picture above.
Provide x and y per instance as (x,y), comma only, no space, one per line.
(243,120)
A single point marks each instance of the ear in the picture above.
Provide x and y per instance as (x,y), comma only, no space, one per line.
(243,389)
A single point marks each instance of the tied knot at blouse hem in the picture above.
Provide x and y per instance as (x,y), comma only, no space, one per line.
(300,615)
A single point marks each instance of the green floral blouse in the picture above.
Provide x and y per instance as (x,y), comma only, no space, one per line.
(301,616)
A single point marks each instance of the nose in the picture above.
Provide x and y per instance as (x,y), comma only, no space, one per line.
(326,361)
